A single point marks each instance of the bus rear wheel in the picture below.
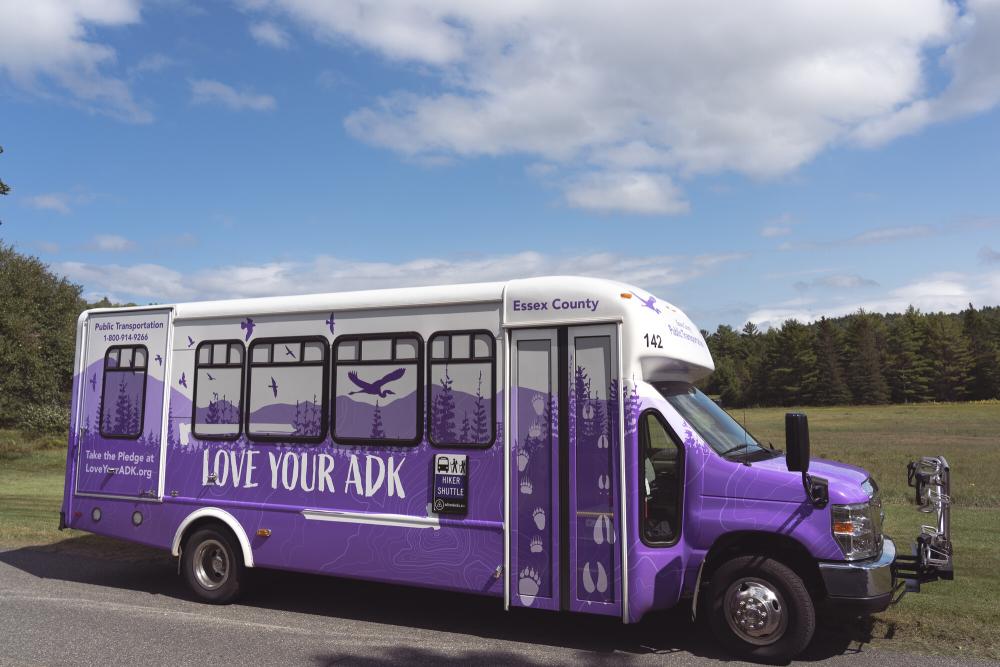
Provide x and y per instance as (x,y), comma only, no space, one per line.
(212,565)
(761,609)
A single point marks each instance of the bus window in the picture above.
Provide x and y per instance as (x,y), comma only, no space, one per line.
(376,389)
(661,470)
(218,390)
(461,390)
(287,390)
(123,394)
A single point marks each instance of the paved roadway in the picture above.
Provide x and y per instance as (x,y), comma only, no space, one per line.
(68,605)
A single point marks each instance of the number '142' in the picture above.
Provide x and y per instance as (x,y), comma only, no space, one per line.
(653,340)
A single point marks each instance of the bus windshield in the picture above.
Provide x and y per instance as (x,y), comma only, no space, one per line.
(723,433)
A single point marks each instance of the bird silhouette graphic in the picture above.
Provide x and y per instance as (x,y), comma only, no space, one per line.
(648,303)
(190,341)
(274,386)
(183,381)
(210,377)
(93,382)
(247,325)
(289,353)
(375,388)
(159,359)
(332,323)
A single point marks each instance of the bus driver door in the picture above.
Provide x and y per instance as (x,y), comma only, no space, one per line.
(564,515)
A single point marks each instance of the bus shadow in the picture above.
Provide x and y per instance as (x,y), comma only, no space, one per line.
(101,561)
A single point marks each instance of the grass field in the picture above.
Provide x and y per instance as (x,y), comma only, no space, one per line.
(959,618)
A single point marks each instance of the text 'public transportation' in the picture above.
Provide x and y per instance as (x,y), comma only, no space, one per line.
(537,440)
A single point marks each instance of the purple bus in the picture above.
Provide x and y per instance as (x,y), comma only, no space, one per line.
(540,441)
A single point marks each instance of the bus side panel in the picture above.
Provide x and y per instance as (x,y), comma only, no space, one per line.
(362,510)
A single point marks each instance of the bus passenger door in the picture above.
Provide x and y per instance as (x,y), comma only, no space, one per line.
(565,550)
(120,418)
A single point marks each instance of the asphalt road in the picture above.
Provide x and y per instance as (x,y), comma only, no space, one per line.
(65,604)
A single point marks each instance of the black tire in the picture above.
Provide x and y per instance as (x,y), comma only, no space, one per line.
(213,565)
(788,599)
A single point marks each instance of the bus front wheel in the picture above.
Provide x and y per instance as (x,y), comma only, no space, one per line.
(761,609)
(212,565)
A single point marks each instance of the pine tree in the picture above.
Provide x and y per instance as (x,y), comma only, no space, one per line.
(123,410)
(213,415)
(831,388)
(481,418)
(791,365)
(865,379)
(907,369)
(984,380)
(444,411)
(950,359)
(377,431)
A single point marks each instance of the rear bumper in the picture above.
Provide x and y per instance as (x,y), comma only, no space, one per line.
(860,587)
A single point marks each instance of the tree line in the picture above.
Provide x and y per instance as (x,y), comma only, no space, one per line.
(862,358)
(38,312)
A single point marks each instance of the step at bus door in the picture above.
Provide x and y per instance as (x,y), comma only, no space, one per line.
(120,412)
(565,550)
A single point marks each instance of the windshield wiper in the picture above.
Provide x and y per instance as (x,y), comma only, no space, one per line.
(736,448)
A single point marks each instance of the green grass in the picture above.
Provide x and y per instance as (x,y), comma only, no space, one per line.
(959,618)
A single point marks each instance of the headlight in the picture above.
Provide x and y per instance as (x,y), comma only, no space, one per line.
(858,529)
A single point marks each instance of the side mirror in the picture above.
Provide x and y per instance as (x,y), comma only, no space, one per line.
(797,442)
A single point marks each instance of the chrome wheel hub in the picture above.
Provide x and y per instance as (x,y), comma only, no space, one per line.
(755,611)
(211,564)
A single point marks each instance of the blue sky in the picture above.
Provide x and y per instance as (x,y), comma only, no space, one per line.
(800,161)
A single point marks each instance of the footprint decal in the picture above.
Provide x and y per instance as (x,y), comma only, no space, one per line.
(602,442)
(528,585)
(522,459)
(539,517)
(538,404)
(589,585)
(588,411)
(527,487)
(536,545)
(603,531)
(534,430)
(603,482)
(602,579)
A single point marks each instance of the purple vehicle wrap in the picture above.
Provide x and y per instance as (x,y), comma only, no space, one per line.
(311,428)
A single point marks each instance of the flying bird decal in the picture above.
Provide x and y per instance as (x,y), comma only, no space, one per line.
(159,359)
(190,341)
(648,303)
(247,325)
(332,323)
(375,388)
(183,381)
(274,386)
(93,382)
(210,377)
(289,353)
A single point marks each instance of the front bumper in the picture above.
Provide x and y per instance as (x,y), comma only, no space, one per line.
(861,587)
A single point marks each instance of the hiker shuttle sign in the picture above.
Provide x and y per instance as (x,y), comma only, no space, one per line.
(451,483)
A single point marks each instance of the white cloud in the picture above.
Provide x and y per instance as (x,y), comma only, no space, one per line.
(631,192)
(52,201)
(205,91)
(888,234)
(971,58)
(270,34)
(45,49)
(324,273)
(947,292)
(781,226)
(988,255)
(837,281)
(154,62)
(111,243)
(670,89)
